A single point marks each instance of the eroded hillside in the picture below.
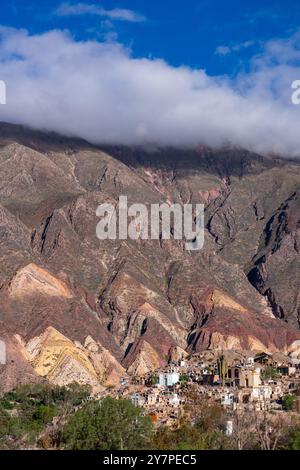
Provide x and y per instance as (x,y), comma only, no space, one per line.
(77,308)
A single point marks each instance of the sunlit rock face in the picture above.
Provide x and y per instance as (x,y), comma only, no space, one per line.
(32,280)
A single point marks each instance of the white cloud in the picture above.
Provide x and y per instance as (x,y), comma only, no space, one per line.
(121,14)
(100,92)
(225,50)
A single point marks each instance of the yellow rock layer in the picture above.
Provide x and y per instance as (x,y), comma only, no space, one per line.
(294,348)
(220,299)
(220,342)
(62,361)
(146,360)
(52,349)
(223,342)
(256,345)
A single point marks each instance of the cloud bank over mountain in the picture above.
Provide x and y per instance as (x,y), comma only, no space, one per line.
(101,92)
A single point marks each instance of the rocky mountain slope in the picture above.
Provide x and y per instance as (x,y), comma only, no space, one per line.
(73,307)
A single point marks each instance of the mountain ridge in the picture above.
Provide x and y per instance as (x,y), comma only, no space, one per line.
(140,300)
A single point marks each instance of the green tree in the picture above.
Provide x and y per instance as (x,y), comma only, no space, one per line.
(183,378)
(270,373)
(108,425)
(288,402)
(34,406)
(152,380)
(294,443)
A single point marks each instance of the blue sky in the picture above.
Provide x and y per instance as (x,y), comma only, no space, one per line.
(179,31)
(152,72)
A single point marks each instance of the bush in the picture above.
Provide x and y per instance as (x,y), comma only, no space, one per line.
(294,443)
(108,425)
(288,402)
(270,373)
(187,437)
(183,378)
(6,404)
(34,406)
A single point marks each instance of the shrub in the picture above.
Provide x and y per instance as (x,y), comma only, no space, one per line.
(108,425)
